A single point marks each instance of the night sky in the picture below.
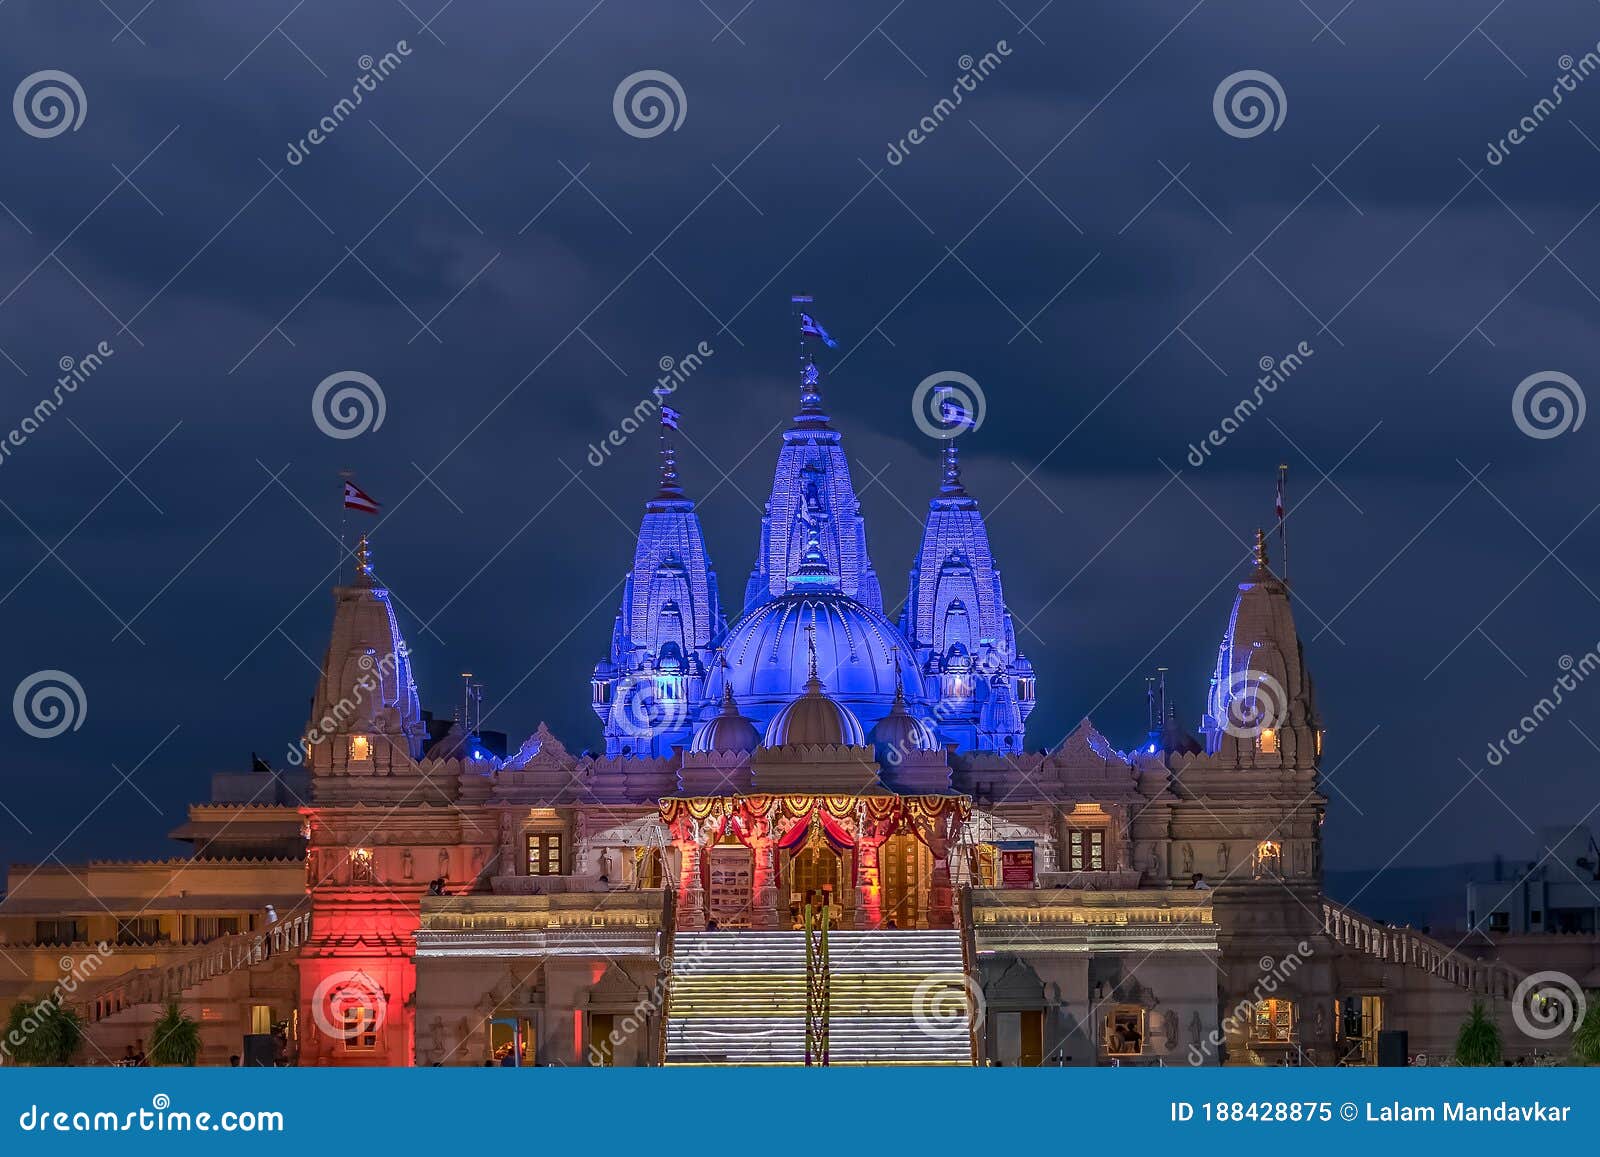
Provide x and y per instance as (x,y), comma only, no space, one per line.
(1080,236)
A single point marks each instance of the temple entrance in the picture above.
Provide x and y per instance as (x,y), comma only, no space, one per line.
(730,871)
(815,868)
(897,863)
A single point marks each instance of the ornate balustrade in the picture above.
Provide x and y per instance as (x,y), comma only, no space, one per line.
(169,980)
(564,923)
(1075,921)
(1407,946)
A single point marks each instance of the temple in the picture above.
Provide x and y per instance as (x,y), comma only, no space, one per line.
(808,835)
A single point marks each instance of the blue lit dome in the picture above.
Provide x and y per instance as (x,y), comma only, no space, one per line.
(857,653)
(815,719)
(728,731)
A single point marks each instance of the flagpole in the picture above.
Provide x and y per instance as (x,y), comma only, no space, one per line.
(1283,519)
(344,517)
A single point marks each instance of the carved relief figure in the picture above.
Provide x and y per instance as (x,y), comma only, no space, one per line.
(406,869)
(1188,859)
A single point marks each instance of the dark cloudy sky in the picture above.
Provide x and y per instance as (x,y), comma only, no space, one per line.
(1081,237)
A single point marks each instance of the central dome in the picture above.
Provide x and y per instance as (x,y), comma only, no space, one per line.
(860,656)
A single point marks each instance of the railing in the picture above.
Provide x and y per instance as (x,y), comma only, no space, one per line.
(1411,948)
(668,954)
(168,981)
(969,965)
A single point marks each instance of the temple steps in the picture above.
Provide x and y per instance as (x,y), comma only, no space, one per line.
(896,997)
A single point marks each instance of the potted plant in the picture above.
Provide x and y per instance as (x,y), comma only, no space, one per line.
(48,1033)
(175,1040)
(1478,1045)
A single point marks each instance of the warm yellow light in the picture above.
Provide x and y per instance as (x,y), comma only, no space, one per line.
(360,747)
(1269,741)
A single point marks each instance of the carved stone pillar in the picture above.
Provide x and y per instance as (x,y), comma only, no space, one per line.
(941,895)
(764,884)
(691,893)
(869,880)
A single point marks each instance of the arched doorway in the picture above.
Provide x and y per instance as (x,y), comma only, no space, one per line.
(814,868)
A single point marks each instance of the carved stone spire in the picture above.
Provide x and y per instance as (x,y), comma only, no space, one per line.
(661,642)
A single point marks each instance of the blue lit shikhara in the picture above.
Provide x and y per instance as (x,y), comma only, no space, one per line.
(679,676)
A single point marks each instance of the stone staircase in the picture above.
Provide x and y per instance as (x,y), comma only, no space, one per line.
(897,997)
(186,970)
(1413,949)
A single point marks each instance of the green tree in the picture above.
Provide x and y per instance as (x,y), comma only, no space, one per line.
(46,1033)
(1479,1042)
(1586,1037)
(175,1040)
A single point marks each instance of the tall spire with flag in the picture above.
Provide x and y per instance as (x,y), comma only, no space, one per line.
(812,488)
(956,620)
(661,644)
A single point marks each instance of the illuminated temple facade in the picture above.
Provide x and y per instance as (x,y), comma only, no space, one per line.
(796,756)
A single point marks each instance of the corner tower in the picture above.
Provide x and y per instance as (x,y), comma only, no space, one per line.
(1261,709)
(956,619)
(647,690)
(365,717)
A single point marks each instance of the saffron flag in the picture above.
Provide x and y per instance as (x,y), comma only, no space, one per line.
(1279,508)
(810,325)
(669,417)
(356,498)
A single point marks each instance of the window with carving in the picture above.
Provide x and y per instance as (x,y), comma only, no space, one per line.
(1272,1022)
(1086,850)
(544,853)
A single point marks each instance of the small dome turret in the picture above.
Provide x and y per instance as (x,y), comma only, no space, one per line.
(901,732)
(728,731)
(814,719)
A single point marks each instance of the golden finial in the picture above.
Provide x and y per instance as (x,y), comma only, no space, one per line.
(1261,552)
